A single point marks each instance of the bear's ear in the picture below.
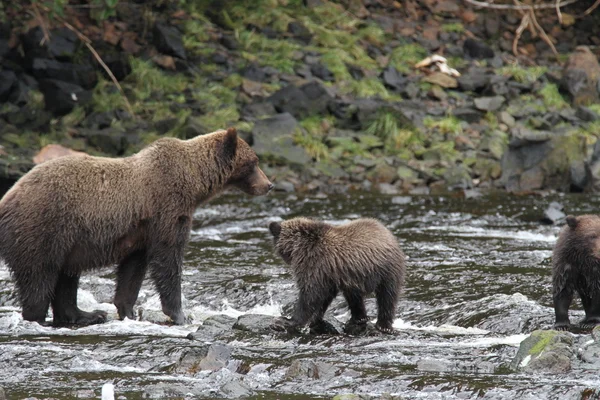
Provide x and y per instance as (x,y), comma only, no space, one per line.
(572,221)
(230,143)
(275,228)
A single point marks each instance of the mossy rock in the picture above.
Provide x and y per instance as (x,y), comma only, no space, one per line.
(545,351)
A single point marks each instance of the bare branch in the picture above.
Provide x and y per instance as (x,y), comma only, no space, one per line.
(545,37)
(524,24)
(558,13)
(592,8)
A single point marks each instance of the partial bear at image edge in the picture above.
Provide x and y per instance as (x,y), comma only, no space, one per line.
(77,213)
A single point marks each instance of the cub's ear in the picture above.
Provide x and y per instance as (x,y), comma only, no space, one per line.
(230,143)
(572,221)
(275,228)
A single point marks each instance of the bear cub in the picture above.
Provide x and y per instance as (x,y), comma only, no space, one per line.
(576,268)
(357,258)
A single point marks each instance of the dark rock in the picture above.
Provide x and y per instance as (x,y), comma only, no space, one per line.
(99,120)
(489,103)
(327,326)
(167,40)
(119,65)
(212,327)
(110,141)
(477,50)
(217,357)
(553,214)
(467,114)
(193,127)
(256,323)
(236,389)
(229,42)
(583,113)
(82,75)
(62,45)
(254,73)
(355,71)
(581,176)
(475,80)
(273,138)
(322,72)
(8,80)
(302,369)
(4,49)
(545,352)
(309,99)
(61,97)
(304,71)
(393,79)
(300,32)
(254,111)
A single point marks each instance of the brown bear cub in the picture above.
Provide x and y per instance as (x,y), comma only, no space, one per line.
(356,258)
(78,213)
(576,268)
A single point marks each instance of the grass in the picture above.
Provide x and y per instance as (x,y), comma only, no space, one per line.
(220,118)
(267,52)
(455,27)
(551,96)
(595,108)
(150,80)
(317,125)
(366,87)
(405,56)
(386,126)
(448,125)
(523,74)
(313,145)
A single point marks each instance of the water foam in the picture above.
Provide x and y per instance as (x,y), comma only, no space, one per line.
(472,231)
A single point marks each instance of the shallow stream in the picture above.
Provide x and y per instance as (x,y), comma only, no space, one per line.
(478,282)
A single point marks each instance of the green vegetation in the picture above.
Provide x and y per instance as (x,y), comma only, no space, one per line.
(405,56)
(386,126)
(551,96)
(448,125)
(456,27)
(523,74)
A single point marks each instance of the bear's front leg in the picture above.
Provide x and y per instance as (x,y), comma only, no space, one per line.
(562,301)
(166,263)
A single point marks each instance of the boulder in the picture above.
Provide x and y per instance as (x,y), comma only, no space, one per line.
(167,40)
(545,352)
(322,72)
(307,100)
(62,46)
(61,97)
(393,79)
(8,80)
(273,138)
(256,323)
(580,76)
(476,49)
(82,75)
(489,103)
(299,32)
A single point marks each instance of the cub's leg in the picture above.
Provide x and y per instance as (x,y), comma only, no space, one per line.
(354,298)
(387,299)
(130,275)
(165,261)
(311,304)
(562,296)
(64,304)
(319,325)
(591,305)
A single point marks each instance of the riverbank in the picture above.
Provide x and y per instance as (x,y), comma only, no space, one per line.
(327,93)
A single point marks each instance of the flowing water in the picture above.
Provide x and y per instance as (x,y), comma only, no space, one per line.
(478,281)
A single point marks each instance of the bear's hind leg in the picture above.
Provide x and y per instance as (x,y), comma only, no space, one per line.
(319,326)
(130,275)
(387,299)
(35,291)
(64,304)
(355,301)
(562,301)
(592,312)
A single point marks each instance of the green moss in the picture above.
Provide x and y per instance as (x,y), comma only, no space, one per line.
(551,96)
(151,81)
(195,35)
(267,52)
(544,338)
(457,62)
(595,108)
(313,145)
(106,97)
(391,130)
(405,56)
(75,117)
(335,60)
(317,125)
(372,34)
(523,74)
(220,118)
(233,81)
(456,27)
(491,120)
(448,125)
(366,87)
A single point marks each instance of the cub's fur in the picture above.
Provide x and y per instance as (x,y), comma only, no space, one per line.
(576,268)
(77,213)
(357,258)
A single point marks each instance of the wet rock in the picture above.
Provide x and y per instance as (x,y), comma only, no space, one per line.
(475,80)
(62,45)
(553,214)
(313,370)
(273,137)
(585,114)
(581,176)
(256,323)
(8,79)
(489,103)
(442,80)
(61,97)
(327,326)
(300,32)
(82,75)
(321,71)
(467,114)
(3,394)
(476,49)
(545,352)
(393,79)
(285,186)
(580,76)
(167,40)
(387,188)
(236,389)
(216,358)
(458,177)
(309,99)
(189,361)
(52,151)
(212,327)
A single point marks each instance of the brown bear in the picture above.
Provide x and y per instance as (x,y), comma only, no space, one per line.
(356,258)
(78,213)
(576,268)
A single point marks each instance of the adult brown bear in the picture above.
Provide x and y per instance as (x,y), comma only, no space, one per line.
(77,213)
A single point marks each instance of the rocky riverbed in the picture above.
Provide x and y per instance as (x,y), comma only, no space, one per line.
(326,92)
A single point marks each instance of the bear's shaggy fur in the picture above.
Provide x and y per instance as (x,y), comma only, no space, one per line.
(356,258)
(78,213)
(576,268)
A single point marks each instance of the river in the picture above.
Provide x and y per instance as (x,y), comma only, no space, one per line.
(478,282)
